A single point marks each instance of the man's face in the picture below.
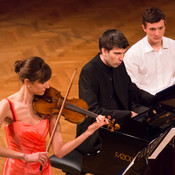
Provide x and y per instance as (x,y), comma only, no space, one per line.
(155,31)
(114,57)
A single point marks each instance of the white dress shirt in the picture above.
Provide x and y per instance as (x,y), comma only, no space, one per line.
(151,70)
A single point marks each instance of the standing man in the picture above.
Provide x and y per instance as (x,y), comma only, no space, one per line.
(151,61)
(107,88)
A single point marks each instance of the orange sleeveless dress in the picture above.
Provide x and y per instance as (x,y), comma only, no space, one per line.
(26,139)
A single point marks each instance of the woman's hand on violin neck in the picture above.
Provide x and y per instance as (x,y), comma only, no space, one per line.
(100,121)
(41,157)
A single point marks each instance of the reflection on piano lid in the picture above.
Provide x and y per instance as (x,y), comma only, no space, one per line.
(168,104)
(162,112)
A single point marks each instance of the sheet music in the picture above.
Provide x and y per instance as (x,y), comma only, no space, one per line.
(163,144)
(156,152)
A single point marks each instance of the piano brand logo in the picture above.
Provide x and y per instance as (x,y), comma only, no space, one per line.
(123,157)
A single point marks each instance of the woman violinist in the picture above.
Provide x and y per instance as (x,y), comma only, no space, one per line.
(26,131)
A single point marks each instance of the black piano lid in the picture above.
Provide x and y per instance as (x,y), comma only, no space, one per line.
(133,136)
(165,99)
(168,105)
(165,94)
(157,119)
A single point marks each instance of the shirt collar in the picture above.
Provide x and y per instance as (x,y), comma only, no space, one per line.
(148,47)
(165,43)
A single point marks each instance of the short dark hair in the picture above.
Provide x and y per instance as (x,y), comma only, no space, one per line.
(33,68)
(112,38)
(152,15)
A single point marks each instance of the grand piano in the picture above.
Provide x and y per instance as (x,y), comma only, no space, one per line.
(119,148)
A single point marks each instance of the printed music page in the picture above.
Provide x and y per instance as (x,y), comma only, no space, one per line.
(163,144)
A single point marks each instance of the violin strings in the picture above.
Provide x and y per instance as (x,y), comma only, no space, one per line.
(80,110)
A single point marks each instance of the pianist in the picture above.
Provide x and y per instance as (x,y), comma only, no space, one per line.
(107,88)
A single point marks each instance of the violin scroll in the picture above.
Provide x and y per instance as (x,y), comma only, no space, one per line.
(112,125)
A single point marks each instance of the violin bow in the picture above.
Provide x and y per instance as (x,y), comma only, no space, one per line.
(60,112)
(61,109)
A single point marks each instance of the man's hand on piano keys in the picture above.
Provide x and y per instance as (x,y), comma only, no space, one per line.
(133,114)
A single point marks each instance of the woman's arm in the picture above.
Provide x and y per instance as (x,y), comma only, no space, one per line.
(40,157)
(60,148)
(5,115)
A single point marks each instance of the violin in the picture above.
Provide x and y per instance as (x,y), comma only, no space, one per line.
(75,110)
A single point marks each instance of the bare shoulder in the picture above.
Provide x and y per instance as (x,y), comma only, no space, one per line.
(4,104)
(4,110)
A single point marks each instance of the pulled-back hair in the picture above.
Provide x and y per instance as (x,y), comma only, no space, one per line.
(34,69)
(152,15)
(112,38)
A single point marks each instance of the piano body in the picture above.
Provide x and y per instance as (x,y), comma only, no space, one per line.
(118,148)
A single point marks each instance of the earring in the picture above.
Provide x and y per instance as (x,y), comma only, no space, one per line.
(28,86)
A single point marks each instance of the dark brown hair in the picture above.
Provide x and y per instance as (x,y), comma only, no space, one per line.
(112,38)
(152,15)
(34,69)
